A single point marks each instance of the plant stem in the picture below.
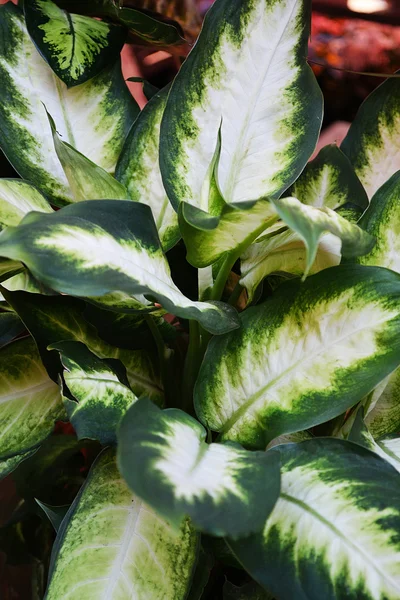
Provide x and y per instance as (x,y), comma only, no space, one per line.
(234,297)
(223,275)
(192,365)
(164,355)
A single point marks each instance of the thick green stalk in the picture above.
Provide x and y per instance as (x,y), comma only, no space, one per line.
(164,356)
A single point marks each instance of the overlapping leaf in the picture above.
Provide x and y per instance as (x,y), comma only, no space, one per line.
(302,357)
(166,462)
(17,198)
(76,47)
(93,117)
(372,143)
(93,248)
(139,554)
(138,168)
(247,79)
(10,327)
(334,530)
(30,401)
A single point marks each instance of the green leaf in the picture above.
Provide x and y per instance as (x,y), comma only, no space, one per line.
(76,47)
(94,117)
(382,220)
(100,390)
(247,78)
(10,327)
(30,401)
(149,90)
(55,514)
(55,319)
(139,554)
(249,591)
(87,181)
(208,237)
(372,143)
(329,181)
(138,169)
(333,533)
(163,457)
(383,406)
(310,223)
(17,198)
(8,465)
(93,248)
(302,357)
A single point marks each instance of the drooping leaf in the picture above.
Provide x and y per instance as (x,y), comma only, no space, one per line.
(30,401)
(164,459)
(248,79)
(207,237)
(139,554)
(333,533)
(329,181)
(17,198)
(386,448)
(285,253)
(302,357)
(93,117)
(7,465)
(55,319)
(76,47)
(55,514)
(100,390)
(372,143)
(310,223)
(87,181)
(138,168)
(93,248)
(10,327)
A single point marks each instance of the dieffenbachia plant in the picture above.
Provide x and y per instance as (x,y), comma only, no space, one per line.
(199,325)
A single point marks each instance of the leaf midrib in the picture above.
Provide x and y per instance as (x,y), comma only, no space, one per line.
(385,576)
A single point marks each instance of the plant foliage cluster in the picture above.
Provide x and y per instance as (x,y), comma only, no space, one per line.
(255,433)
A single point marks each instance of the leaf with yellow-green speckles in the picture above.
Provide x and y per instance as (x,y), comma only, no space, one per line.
(17,198)
(10,327)
(302,357)
(382,406)
(52,319)
(165,460)
(328,181)
(76,47)
(30,402)
(93,117)
(333,533)
(246,78)
(372,143)
(93,248)
(100,391)
(138,169)
(8,465)
(111,545)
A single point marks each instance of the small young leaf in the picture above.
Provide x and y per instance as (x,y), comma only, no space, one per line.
(333,533)
(76,47)
(302,357)
(166,462)
(139,555)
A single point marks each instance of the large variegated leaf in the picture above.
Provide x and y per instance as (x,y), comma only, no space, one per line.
(93,117)
(18,197)
(56,319)
(87,181)
(100,390)
(311,223)
(382,220)
(372,143)
(8,465)
(248,79)
(382,407)
(303,356)
(94,248)
(112,546)
(10,327)
(284,252)
(30,401)
(166,462)
(138,168)
(76,47)
(328,181)
(333,533)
